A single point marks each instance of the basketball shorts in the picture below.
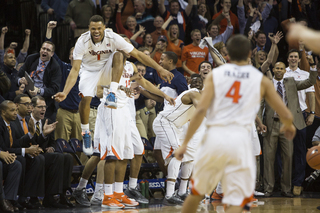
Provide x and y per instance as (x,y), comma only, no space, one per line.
(89,80)
(167,136)
(138,146)
(113,133)
(225,154)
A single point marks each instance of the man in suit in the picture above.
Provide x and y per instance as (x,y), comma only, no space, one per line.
(58,166)
(32,178)
(10,171)
(46,74)
(287,89)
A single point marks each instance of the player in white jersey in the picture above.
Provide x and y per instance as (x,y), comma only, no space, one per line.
(95,55)
(118,138)
(168,127)
(230,101)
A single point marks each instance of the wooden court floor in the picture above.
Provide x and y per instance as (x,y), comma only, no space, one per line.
(264,205)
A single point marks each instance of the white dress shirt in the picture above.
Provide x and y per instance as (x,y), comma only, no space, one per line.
(300,75)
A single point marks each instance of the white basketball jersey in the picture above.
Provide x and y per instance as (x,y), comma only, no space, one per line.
(122,98)
(181,113)
(237,95)
(95,55)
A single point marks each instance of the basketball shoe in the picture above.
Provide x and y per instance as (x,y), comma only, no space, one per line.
(123,199)
(111,101)
(110,202)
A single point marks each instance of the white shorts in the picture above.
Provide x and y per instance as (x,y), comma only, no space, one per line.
(225,154)
(113,133)
(138,146)
(89,80)
(255,141)
(194,142)
(167,136)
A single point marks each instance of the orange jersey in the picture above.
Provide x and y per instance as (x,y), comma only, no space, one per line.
(194,55)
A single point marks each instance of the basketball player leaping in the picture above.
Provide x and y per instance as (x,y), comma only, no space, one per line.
(95,53)
(230,102)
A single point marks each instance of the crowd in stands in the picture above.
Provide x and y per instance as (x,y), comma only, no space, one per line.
(31,120)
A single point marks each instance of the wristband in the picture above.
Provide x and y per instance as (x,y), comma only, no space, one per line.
(312,112)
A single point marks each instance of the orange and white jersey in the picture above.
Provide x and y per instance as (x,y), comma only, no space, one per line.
(122,98)
(237,96)
(180,113)
(95,55)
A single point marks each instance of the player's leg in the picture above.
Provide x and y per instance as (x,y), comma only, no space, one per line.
(84,110)
(118,194)
(80,194)
(191,203)
(117,69)
(97,197)
(186,170)
(158,156)
(109,174)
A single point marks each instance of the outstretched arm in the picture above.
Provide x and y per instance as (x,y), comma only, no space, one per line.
(26,42)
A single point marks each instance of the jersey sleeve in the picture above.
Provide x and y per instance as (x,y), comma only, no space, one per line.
(121,44)
(79,49)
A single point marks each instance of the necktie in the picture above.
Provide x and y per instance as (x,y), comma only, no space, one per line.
(38,128)
(24,124)
(279,90)
(36,73)
(10,134)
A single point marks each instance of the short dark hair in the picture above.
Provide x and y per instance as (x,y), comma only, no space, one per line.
(35,99)
(258,33)
(207,62)
(293,51)
(171,56)
(49,42)
(4,105)
(173,1)
(96,18)
(238,47)
(213,24)
(17,99)
(195,76)
(140,64)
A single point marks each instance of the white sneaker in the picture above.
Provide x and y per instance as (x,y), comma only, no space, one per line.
(256,193)
(97,197)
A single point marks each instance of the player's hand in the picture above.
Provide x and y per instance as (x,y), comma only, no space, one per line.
(166,75)
(27,32)
(51,24)
(310,119)
(170,100)
(178,153)
(13,45)
(127,90)
(262,128)
(289,131)
(59,97)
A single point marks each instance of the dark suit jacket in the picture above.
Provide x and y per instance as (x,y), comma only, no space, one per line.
(5,139)
(51,78)
(46,142)
(291,87)
(17,131)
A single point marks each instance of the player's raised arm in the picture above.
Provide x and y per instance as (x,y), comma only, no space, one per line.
(71,80)
(278,105)
(140,56)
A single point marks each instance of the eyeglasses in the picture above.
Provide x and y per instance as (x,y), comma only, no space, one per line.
(26,104)
(42,107)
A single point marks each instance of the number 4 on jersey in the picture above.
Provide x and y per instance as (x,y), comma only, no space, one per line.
(234,92)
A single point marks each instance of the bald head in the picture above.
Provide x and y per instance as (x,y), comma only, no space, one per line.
(279,70)
(9,60)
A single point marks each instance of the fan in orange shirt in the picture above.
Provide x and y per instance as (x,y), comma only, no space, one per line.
(161,47)
(193,55)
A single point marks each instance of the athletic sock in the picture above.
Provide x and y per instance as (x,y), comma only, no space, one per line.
(99,186)
(118,187)
(170,188)
(114,86)
(183,187)
(133,182)
(219,188)
(108,189)
(84,127)
(82,183)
